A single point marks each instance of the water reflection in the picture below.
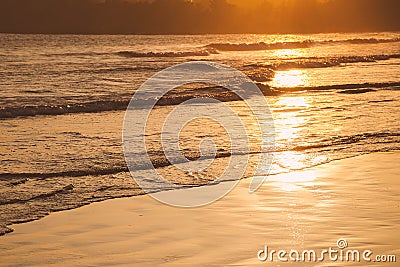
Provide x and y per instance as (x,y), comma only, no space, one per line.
(293,181)
(288,53)
(290,123)
(297,101)
(290,78)
(287,118)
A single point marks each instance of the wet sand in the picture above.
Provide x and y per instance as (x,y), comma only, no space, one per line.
(355,199)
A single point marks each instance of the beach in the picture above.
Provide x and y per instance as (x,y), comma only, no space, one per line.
(80,163)
(199,133)
(355,199)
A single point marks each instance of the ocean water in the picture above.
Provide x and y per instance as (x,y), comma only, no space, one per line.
(63,100)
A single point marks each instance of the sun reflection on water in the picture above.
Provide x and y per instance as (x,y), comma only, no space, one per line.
(287,121)
(290,122)
(293,181)
(288,53)
(296,101)
(290,78)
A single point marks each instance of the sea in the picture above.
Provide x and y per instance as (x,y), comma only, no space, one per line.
(63,100)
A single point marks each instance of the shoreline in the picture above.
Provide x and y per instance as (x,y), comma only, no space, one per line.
(305,209)
(9,228)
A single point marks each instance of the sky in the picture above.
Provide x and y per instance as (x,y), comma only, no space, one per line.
(197,16)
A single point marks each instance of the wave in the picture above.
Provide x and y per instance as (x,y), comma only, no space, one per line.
(258,73)
(368,137)
(159,160)
(214,48)
(73,173)
(136,54)
(368,41)
(356,91)
(79,192)
(89,107)
(381,101)
(133,54)
(259,46)
(110,70)
(293,44)
(307,63)
(63,190)
(177,98)
(108,105)
(174,97)
(96,106)
(77,54)
(363,87)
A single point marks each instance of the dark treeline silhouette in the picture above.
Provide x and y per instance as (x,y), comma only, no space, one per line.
(186,17)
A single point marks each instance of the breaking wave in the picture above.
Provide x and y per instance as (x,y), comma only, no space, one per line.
(133,54)
(136,54)
(344,88)
(161,161)
(293,44)
(219,93)
(307,63)
(214,48)
(90,107)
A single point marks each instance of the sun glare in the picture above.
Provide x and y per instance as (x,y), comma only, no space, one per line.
(287,53)
(288,126)
(294,101)
(290,78)
(293,181)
